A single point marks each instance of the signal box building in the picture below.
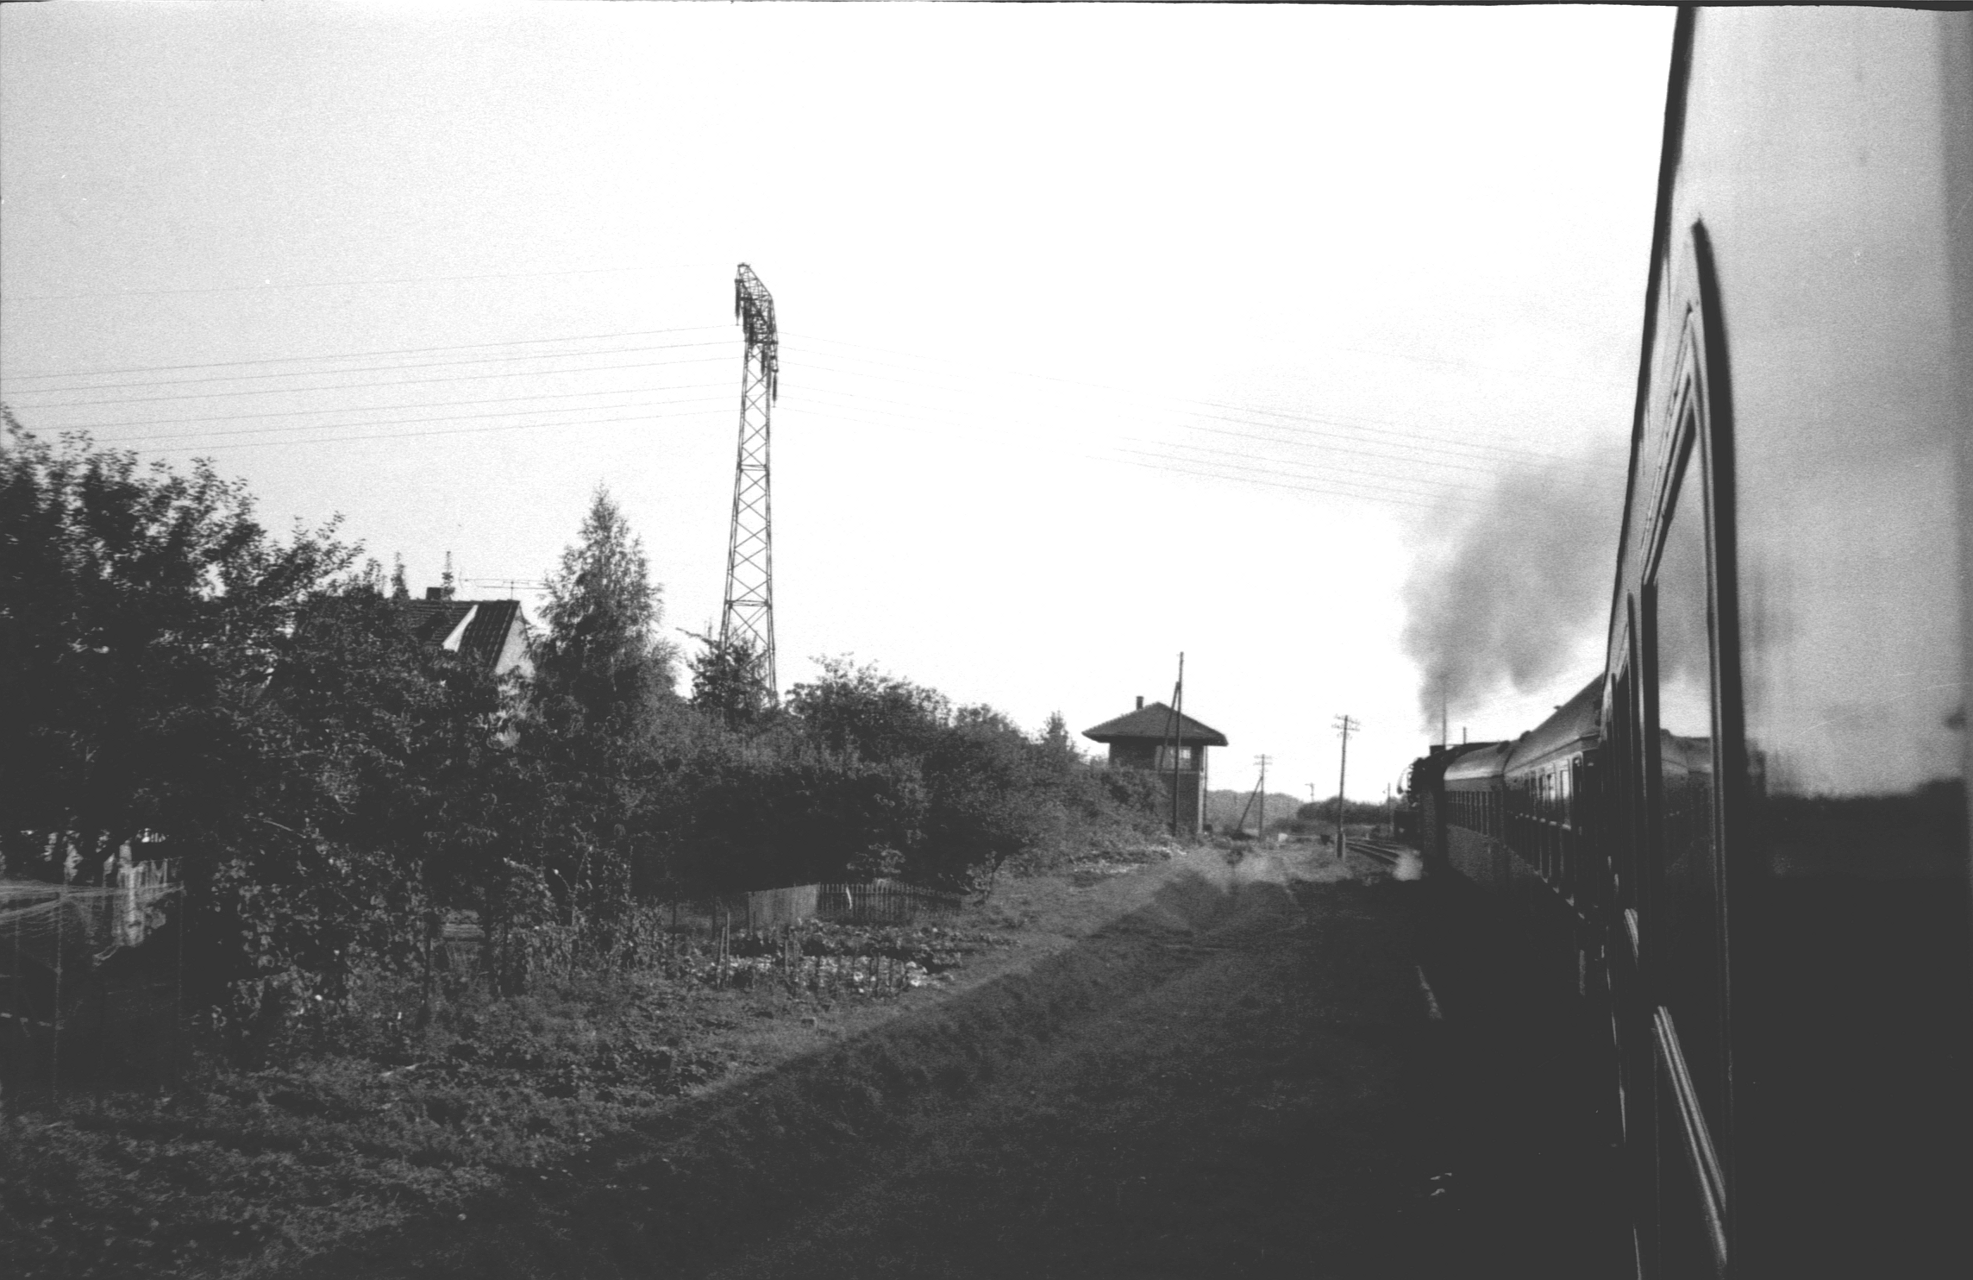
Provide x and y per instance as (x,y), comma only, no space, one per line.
(1157,739)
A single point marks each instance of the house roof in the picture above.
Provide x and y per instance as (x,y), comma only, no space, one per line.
(1153,722)
(487,624)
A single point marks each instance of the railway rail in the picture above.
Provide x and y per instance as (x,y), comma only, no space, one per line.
(1385,851)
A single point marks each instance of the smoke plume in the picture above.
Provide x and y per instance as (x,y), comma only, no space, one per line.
(1505,591)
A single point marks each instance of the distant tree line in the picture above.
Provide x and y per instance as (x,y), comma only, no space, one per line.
(1314,816)
(172,671)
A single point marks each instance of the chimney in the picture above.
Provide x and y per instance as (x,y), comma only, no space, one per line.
(434,593)
(1140,702)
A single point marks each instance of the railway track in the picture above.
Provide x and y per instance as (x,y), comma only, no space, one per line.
(1386,851)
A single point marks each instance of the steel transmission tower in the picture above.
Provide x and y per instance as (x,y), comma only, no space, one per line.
(749,614)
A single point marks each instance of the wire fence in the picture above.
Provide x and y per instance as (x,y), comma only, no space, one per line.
(91,978)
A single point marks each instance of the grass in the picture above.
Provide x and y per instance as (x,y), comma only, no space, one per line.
(363,1121)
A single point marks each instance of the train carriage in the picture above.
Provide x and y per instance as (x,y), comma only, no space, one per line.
(1758,816)
(1475,806)
(1787,658)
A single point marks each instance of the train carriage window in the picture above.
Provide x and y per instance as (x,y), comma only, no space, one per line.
(1689,873)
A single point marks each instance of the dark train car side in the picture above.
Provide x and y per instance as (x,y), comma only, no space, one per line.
(1787,657)
(1749,837)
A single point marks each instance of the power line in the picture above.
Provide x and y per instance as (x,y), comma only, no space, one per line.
(1424,441)
(1421,457)
(450,417)
(388,382)
(387,408)
(412,435)
(339,284)
(1358,495)
(1417,486)
(1361,351)
(1361,424)
(1350,489)
(364,355)
(1448,482)
(375,368)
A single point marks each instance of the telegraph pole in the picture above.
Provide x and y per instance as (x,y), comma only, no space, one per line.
(1178,732)
(1260,831)
(1344,724)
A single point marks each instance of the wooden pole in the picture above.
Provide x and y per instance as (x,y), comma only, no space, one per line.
(1178,737)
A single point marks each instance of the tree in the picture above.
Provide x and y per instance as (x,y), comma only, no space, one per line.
(601,652)
(142,614)
(863,712)
(729,681)
(602,688)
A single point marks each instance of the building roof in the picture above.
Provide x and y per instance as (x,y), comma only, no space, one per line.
(487,623)
(1153,723)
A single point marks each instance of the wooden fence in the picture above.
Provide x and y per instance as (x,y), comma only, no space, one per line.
(882,903)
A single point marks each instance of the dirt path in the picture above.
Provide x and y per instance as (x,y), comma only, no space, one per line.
(1236,1075)
(1247,1111)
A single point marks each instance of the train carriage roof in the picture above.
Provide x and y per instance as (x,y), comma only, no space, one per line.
(1477,768)
(1577,720)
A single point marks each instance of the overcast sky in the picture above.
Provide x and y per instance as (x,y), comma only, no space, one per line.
(1108,332)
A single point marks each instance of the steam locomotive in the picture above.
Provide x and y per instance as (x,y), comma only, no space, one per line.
(1740,853)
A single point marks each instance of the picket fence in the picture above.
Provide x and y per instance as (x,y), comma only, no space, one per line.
(879,902)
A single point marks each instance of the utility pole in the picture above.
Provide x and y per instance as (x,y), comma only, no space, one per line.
(1344,724)
(749,613)
(1260,831)
(1178,732)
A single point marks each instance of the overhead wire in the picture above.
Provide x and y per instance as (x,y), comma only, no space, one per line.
(1348,488)
(1368,425)
(1409,447)
(1366,454)
(1420,442)
(385,408)
(1349,493)
(1424,486)
(363,355)
(270,286)
(412,435)
(375,368)
(388,382)
(450,417)
(1432,498)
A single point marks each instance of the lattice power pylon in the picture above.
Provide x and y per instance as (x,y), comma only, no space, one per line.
(749,614)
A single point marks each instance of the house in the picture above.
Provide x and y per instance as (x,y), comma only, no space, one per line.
(1155,737)
(492,633)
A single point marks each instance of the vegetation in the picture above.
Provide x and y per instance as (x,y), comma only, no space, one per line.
(336,789)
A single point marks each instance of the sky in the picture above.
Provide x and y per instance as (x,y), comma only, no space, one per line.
(1108,333)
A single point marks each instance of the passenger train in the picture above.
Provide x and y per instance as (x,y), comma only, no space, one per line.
(1740,853)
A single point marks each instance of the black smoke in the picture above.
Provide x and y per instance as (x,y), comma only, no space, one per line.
(1510,583)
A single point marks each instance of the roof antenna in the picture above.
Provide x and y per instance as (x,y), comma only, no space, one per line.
(445,579)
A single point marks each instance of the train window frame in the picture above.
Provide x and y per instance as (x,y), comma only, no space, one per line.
(1696,467)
